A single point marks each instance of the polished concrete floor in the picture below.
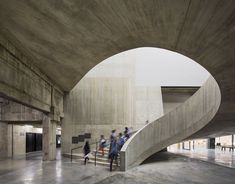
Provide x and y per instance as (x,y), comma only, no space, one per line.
(216,156)
(160,168)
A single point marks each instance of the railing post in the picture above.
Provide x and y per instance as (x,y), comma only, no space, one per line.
(123,166)
(95,151)
(71,157)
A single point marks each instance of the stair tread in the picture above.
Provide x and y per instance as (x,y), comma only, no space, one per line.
(98,162)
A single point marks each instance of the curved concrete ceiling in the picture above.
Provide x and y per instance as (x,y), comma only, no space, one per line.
(66,39)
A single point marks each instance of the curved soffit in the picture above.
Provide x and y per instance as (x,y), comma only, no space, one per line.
(72,37)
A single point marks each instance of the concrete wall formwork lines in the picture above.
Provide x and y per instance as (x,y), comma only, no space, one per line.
(13,111)
(173,127)
(19,82)
(173,97)
(22,82)
(96,106)
(148,104)
(99,104)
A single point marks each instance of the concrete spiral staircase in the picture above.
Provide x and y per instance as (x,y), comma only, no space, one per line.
(176,126)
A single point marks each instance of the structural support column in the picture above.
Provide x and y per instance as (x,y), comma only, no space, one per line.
(211,143)
(232,140)
(3,139)
(49,138)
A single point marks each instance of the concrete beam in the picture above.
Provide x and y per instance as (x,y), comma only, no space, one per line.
(15,112)
(24,83)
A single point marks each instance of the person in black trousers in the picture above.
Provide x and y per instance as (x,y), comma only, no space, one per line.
(86,150)
(113,153)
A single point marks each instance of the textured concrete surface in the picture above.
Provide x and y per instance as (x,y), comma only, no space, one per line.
(25,83)
(172,97)
(173,127)
(49,138)
(169,168)
(3,139)
(108,98)
(161,168)
(65,39)
(12,111)
(13,132)
(19,139)
(17,146)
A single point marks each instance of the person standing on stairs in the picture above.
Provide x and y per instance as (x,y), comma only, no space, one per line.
(102,143)
(86,151)
(126,133)
(112,137)
(113,153)
(130,130)
(120,141)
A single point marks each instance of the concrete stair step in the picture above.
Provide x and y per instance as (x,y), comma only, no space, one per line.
(100,160)
(99,154)
(105,151)
(107,164)
(92,156)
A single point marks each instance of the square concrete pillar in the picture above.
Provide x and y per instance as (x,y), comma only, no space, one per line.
(3,139)
(49,138)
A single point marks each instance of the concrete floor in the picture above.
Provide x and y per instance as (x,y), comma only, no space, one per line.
(160,168)
(216,156)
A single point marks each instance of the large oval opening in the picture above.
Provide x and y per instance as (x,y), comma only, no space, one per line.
(130,89)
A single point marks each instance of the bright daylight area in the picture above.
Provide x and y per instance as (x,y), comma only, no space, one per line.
(154,66)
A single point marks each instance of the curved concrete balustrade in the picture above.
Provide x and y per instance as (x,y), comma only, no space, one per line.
(173,127)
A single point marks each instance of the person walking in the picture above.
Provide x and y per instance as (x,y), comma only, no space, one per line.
(102,143)
(113,153)
(126,133)
(130,130)
(86,151)
(112,137)
(120,141)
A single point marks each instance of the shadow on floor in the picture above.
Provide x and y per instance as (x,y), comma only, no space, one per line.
(161,157)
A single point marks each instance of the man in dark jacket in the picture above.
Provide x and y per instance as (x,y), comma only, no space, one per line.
(86,151)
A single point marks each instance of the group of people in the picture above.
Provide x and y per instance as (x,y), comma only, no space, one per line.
(116,143)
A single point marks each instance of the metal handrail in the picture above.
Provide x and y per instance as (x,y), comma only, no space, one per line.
(96,149)
(96,146)
(71,156)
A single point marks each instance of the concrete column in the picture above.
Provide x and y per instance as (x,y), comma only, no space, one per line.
(3,139)
(49,138)
(10,140)
(232,140)
(211,143)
